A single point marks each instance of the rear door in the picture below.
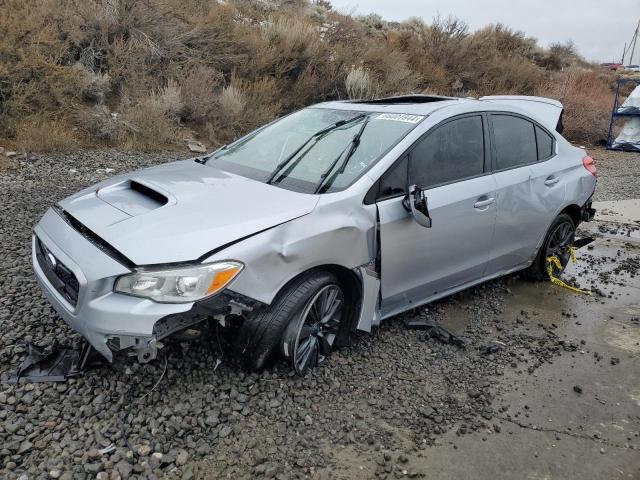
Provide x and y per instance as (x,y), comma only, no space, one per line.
(529,189)
(417,263)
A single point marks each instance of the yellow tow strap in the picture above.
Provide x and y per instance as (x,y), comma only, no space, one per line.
(552,261)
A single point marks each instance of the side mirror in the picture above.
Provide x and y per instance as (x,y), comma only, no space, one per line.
(416,203)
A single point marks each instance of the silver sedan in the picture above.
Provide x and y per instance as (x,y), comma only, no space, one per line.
(326,221)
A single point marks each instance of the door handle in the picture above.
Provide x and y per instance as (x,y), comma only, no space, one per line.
(551,181)
(484,203)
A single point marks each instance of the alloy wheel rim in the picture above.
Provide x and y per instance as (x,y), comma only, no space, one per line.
(560,241)
(319,324)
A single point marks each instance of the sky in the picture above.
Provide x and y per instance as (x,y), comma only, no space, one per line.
(599,28)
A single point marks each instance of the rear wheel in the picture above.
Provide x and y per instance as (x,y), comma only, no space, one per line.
(559,238)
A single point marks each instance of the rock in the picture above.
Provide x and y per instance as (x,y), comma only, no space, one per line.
(196,146)
(212,421)
(25,447)
(577,388)
(182,457)
(11,427)
(144,450)
(55,474)
(93,468)
(124,469)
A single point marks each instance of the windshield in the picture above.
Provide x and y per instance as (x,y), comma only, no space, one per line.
(315,150)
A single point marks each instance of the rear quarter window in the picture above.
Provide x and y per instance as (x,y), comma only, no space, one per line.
(544,142)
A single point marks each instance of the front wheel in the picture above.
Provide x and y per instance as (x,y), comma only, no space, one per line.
(302,323)
(559,238)
(310,336)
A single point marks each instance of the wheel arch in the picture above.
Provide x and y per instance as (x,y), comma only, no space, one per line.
(574,211)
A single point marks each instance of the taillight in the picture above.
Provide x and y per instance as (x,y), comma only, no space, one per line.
(590,164)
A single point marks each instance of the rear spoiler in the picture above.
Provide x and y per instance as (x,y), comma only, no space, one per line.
(546,110)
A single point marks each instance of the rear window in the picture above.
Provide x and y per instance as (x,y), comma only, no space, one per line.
(515,141)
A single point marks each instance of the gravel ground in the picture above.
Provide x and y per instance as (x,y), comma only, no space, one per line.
(618,174)
(204,420)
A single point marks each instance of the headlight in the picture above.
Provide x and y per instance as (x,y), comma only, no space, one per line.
(179,285)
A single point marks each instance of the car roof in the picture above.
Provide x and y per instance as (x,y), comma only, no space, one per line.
(408,104)
(544,110)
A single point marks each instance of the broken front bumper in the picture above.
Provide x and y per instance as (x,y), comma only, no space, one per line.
(78,277)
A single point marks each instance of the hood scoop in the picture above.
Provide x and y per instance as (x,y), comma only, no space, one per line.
(135,196)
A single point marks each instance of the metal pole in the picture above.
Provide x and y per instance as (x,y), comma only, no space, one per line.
(634,39)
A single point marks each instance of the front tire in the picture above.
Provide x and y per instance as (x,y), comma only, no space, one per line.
(559,238)
(261,335)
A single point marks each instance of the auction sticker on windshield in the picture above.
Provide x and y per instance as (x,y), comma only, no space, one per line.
(400,117)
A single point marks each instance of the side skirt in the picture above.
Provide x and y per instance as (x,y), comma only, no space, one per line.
(414,304)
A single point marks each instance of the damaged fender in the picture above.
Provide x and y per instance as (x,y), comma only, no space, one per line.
(278,255)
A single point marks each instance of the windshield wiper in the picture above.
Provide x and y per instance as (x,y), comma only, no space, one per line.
(355,142)
(205,158)
(315,136)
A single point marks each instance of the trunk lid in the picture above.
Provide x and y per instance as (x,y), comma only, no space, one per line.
(545,110)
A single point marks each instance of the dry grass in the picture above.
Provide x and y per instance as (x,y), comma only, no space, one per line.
(38,133)
(141,74)
(587,98)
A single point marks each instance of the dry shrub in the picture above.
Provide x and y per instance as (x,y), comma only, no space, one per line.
(587,97)
(41,134)
(151,124)
(100,124)
(198,92)
(232,102)
(359,84)
(242,107)
(223,68)
(295,37)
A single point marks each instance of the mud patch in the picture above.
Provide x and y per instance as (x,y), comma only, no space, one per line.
(623,336)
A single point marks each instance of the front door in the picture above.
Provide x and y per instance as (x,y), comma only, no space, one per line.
(419,263)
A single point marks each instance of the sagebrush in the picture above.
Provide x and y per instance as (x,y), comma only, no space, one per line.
(147,74)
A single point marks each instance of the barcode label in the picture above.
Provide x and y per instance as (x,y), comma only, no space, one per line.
(400,117)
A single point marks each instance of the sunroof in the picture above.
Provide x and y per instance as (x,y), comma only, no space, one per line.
(403,99)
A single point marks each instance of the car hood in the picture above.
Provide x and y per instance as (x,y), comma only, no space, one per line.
(181,211)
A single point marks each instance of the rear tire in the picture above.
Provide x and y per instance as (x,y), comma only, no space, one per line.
(258,341)
(560,236)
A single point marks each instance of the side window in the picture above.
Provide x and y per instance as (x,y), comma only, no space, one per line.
(451,152)
(545,144)
(515,141)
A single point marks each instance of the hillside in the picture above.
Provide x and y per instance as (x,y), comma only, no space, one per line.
(145,75)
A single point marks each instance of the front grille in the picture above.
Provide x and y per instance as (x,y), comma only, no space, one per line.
(62,279)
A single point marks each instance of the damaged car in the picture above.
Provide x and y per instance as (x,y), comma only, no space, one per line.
(322,223)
